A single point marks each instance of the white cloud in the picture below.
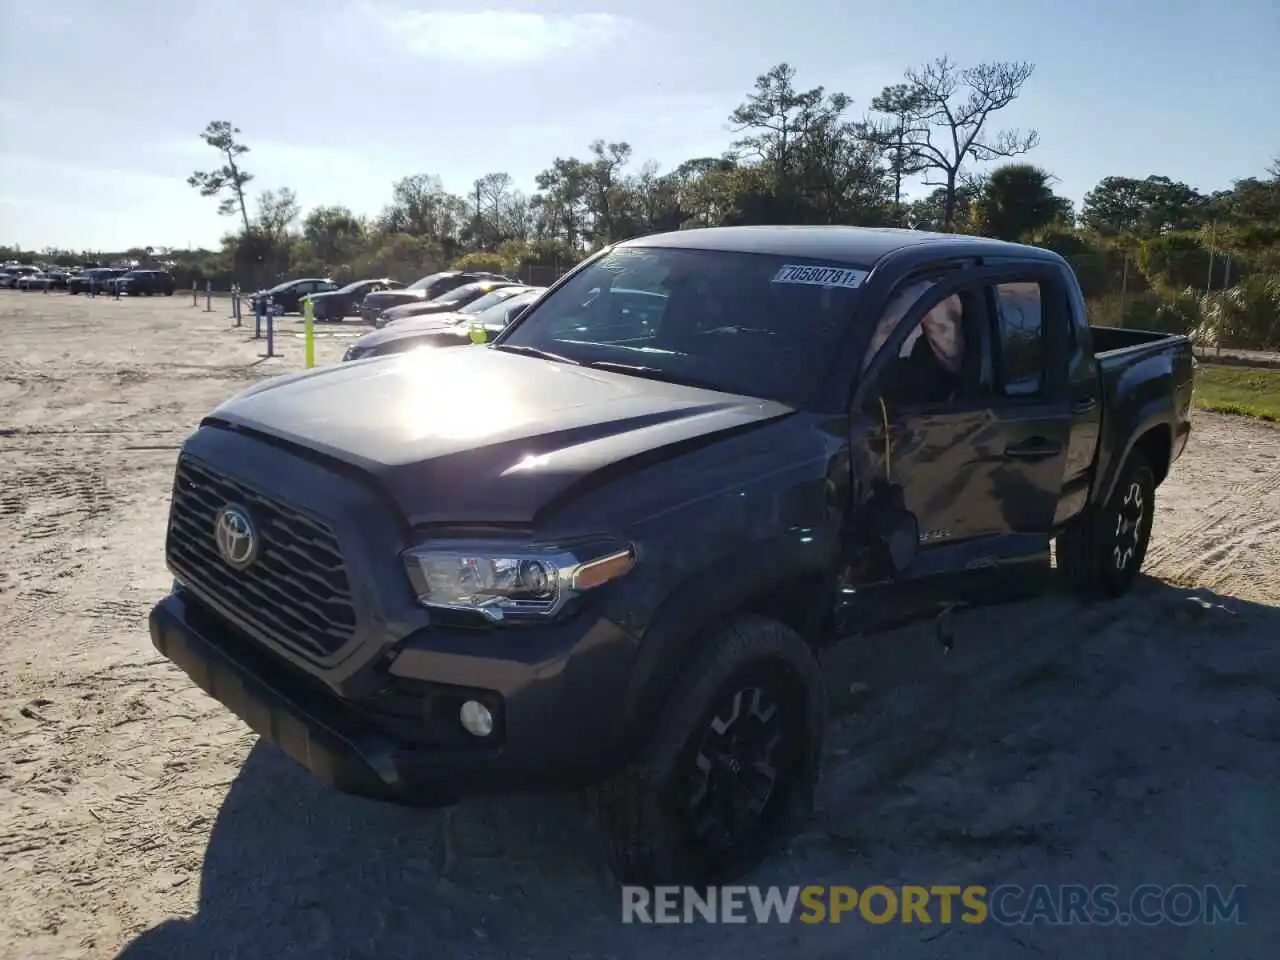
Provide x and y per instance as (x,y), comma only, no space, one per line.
(498,36)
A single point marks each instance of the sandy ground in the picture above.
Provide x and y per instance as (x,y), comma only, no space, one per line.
(1126,743)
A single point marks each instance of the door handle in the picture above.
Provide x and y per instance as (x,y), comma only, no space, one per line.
(1037,448)
(1084,403)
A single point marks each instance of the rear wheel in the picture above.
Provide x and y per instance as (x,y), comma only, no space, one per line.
(1101,552)
(730,768)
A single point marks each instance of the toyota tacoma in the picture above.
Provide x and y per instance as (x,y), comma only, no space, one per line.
(607,554)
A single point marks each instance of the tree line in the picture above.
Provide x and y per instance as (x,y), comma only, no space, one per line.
(1149,251)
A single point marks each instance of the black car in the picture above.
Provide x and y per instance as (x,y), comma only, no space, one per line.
(99,278)
(446,329)
(427,288)
(345,301)
(144,283)
(581,557)
(455,299)
(288,296)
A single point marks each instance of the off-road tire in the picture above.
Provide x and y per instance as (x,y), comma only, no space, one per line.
(1095,560)
(644,830)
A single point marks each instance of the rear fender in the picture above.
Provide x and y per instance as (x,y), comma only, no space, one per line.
(1153,433)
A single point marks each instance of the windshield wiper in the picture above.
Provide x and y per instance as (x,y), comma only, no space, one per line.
(654,373)
(534,352)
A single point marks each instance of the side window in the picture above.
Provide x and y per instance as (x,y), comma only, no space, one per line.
(942,359)
(1020,347)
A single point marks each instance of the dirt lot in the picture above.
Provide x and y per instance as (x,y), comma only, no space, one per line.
(1124,743)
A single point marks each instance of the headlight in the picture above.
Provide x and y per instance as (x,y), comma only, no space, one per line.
(520,581)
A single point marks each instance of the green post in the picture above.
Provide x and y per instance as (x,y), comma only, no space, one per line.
(309,317)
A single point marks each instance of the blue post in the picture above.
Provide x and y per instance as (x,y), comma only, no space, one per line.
(257,319)
(208,296)
(271,329)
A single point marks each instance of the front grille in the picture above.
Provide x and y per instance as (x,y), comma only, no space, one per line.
(296,590)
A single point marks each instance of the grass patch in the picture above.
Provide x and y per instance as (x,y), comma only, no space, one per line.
(1250,391)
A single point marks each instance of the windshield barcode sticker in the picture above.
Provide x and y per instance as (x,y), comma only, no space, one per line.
(820,276)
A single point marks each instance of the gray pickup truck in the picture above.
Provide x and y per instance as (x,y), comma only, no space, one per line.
(607,554)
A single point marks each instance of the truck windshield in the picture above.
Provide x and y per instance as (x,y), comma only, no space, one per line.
(744,323)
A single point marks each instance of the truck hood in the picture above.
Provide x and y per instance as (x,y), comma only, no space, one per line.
(411,329)
(390,298)
(329,295)
(421,322)
(479,435)
(424,309)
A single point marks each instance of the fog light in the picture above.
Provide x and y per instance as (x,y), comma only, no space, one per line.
(476,718)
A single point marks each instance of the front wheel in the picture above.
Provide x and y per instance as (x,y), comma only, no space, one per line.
(1101,552)
(730,768)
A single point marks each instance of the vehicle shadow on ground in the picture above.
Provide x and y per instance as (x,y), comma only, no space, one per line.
(293,869)
(1060,706)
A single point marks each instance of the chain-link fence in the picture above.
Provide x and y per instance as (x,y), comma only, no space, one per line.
(540,275)
(1229,308)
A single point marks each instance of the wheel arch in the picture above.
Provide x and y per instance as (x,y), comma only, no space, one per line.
(782,580)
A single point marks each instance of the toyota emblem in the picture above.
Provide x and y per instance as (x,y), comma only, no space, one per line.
(234,534)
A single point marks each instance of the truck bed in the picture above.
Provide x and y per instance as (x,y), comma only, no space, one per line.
(1140,371)
(1112,340)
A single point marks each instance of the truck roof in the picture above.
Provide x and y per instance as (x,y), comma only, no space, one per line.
(860,246)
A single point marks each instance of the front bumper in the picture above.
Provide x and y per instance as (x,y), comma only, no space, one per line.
(554,720)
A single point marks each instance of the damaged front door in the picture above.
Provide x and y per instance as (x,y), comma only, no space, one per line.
(962,424)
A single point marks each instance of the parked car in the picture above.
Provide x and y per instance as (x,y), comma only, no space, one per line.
(52,280)
(427,288)
(445,329)
(144,283)
(94,277)
(496,295)
(288,296)
(345,301)
(575,556)
(455,299)
(11,275)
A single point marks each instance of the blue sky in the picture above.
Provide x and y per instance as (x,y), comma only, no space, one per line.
(102,101)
